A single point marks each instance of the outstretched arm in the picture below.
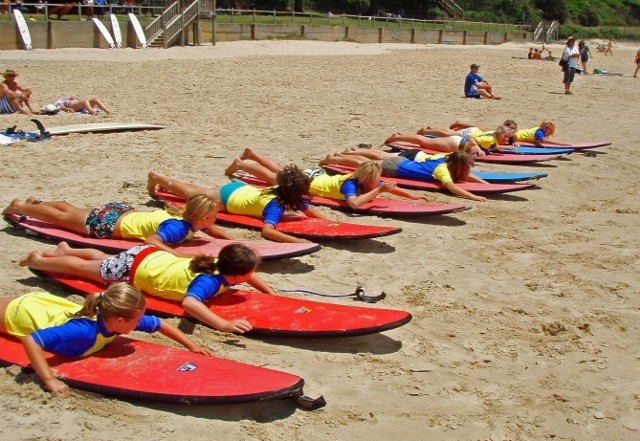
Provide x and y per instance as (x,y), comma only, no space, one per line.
(40,365)
(269,232)
(218,233)
(199,311)
(155,240)
(168,330)
(312,212)
(453,188)
(259,284)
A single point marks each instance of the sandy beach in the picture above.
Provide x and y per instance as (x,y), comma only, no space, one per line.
(525,308)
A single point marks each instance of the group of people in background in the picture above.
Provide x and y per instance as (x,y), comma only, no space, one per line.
(15,98)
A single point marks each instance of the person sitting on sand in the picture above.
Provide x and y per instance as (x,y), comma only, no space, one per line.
(356,188)
(13,96)
(113,220)
(74,104)
(191,281)
(270,204)
(45,322)
(446,169)
(475,86)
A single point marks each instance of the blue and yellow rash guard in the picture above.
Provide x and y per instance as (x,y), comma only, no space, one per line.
(240,198)
(427,171)
(47,318)
(335,187)
(530,135)
(487,141)
(140,225)
(164,275)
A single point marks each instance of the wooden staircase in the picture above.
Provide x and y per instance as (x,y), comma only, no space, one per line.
(451,8)
(171,27)
(548,31)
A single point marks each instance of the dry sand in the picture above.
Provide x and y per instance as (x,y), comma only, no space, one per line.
(526,309)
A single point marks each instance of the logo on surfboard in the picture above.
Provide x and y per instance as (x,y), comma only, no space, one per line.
(302,310)
(187,367)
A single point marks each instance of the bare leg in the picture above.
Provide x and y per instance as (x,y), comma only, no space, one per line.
(438,132)
(59,213)
(179,188)
(348,160)
(447,144)
(63,249)
(255,164)
(459,125)
(69,265)
(95,102)
(375,155)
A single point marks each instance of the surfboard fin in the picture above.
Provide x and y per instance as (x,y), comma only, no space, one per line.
(307,403)
(43,133)
(360,295)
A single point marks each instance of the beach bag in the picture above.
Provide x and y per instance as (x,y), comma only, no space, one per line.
(563,63)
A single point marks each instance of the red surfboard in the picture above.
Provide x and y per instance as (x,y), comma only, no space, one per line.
(377,206)
(571,145)
(270,315)
(473,187)
(198,245)
(296,225)
(138,370)
(500,158)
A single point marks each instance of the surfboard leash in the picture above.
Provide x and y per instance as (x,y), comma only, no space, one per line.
(359,294)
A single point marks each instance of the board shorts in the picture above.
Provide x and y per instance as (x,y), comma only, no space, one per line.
(313,172)
(118,268)
(569,74)
(227,190)
(390,166)
(473,93)
(6,108)
(410,154)
(101,221)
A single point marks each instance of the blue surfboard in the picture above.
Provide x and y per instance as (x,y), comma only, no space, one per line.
(538,151)
(505,177)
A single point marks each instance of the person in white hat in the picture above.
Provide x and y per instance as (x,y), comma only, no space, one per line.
(13,96)
(475,86)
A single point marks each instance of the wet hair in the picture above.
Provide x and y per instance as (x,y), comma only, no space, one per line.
(199,206)
(368,175)
(511,124)
(459,165)
(547,123)
(292,189)
(119,300)
(502,131)
(233,260)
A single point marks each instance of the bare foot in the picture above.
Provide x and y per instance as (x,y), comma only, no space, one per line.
(247,154)
(13,208)
(61,250)
(328,159)
(152,182)
(32,258)
(235,165)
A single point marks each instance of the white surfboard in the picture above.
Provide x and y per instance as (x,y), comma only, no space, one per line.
(23,28)
(139,30)
(102,127)
(105,33)
(117,35)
